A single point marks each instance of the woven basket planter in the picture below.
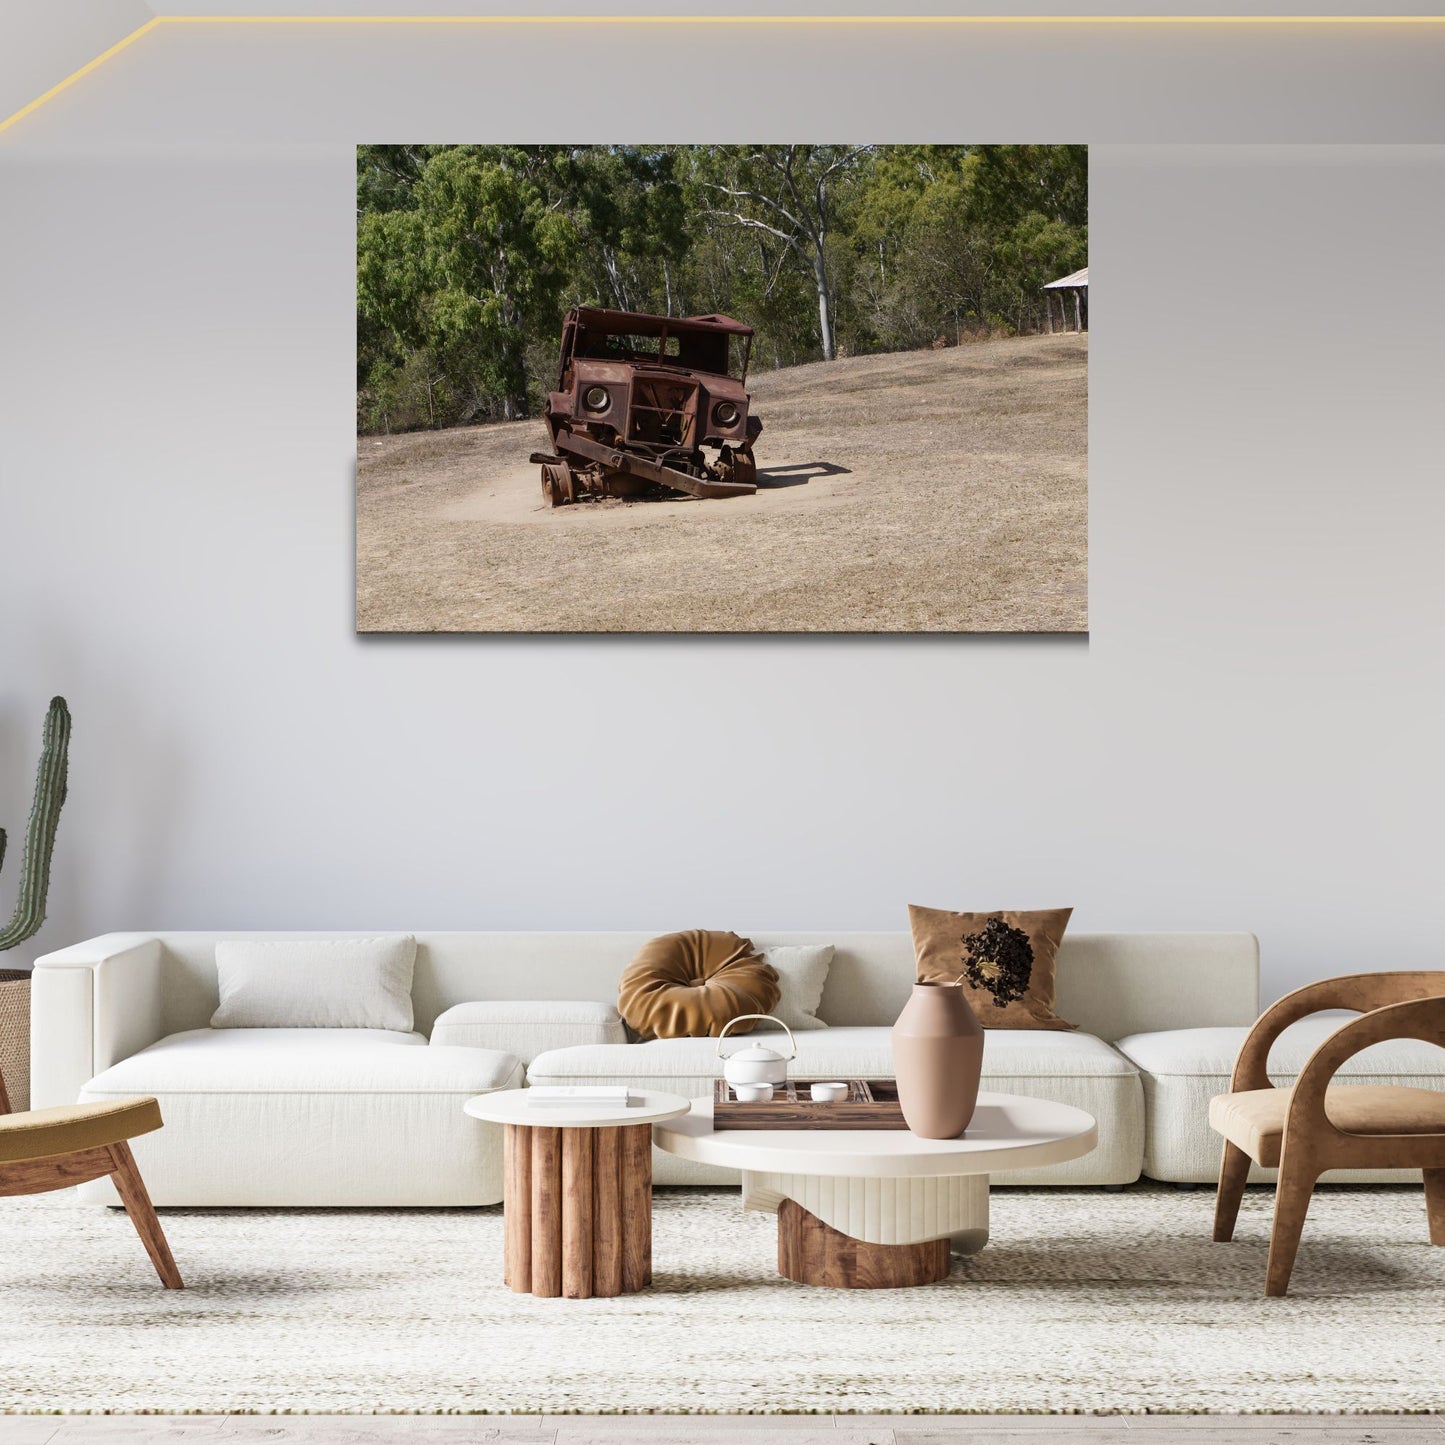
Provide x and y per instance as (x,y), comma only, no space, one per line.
(15,1035)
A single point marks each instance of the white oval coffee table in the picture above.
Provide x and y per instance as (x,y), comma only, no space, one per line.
(577,1191)
(881,1208)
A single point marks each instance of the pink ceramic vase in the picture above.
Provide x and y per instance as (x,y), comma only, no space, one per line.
(937,1059)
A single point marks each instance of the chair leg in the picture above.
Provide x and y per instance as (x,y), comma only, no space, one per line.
(1233,1172)
(1435,1204)
(132,1190)
(1291,1204)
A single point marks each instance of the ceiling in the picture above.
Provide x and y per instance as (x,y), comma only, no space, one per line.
(48,50)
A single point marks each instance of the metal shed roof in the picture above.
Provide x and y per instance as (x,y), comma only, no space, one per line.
(1078,278)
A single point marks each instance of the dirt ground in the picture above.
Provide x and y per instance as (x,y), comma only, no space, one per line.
(934,491)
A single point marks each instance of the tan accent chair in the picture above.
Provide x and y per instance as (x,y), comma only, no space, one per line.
(1315,1125)
(46,1149)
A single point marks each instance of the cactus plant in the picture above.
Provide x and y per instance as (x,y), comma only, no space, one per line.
(50,782)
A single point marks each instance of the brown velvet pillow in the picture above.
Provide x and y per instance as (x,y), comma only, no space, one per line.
(688,985)
(938,946)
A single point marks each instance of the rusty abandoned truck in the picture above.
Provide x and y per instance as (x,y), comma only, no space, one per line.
(640,402)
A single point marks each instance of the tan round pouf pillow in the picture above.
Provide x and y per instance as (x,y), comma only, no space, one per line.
(688,985)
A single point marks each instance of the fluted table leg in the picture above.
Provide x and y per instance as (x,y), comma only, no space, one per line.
(578,1210)
(517,1208)
(577,1221)
(636,1208)
(607,1212)
(546,1212)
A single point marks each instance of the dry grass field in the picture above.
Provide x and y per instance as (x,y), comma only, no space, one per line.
(934,491)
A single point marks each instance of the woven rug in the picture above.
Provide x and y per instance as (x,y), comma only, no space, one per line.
(1083,1301)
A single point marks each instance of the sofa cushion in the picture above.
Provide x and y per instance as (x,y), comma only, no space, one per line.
(1069,1068)
(312,1117)
(837,1053)
(1183,1069)
(862,1052)
(299,1061)
(526,1028)
(1211,1052)
(339,983)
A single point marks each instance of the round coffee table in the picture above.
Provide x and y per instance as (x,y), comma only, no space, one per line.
(881,1208)
(577,1191)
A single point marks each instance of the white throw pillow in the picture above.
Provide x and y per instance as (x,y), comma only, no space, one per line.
(315,983)
(802,972)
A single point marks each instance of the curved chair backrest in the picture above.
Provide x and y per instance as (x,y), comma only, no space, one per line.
(1415,1018)
(1360,992)
(1366,991)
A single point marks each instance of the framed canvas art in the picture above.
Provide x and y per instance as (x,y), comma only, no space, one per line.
(722,388)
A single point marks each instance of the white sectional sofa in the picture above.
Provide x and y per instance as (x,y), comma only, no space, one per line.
(366,1117)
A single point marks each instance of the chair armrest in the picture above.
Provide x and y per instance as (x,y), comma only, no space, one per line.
(1358,991)
(91,1005)
(1421,1018)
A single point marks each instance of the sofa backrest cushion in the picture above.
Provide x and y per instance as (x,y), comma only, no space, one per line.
(1110,984)
(525,1028)
(315,983)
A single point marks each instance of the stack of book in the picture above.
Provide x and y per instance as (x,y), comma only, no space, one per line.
(570,1096)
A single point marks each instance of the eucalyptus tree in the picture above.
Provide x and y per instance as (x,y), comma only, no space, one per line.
(791,192)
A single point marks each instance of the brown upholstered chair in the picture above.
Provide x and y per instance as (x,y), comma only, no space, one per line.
(46,1149)
(1315,1125)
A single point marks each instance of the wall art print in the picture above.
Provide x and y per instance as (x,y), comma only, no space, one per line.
(722,388)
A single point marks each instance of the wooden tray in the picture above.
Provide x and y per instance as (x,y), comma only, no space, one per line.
(871,1104)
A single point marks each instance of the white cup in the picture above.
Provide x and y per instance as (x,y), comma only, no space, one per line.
(828,1093)
(753,1093)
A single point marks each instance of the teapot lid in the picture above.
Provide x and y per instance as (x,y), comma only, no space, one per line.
(756,1053)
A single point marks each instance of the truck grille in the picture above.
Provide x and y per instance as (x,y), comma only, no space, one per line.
(663,413)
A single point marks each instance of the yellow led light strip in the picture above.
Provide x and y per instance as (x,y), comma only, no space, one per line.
(158,20)
(805,19)
(76,74)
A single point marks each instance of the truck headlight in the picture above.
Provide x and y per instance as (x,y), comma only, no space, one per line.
(725,413)
(595,398)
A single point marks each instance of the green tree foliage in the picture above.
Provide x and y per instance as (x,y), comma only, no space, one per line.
(469,256)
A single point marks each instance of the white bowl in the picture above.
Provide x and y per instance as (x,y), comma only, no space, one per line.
(753,1093)
(828,1093)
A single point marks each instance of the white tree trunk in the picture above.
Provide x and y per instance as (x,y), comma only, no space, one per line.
(825,317)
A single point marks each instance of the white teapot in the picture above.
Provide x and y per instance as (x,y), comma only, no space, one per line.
(756,1064)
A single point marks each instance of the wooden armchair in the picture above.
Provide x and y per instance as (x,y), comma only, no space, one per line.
(47,1149)
(1316,1125)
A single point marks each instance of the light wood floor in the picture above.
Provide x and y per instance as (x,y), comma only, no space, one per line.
(717,1429)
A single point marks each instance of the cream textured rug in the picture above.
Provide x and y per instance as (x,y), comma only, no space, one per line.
(1083,1301)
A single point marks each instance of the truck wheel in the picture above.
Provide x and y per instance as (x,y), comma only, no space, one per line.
(738,467)
(558,486)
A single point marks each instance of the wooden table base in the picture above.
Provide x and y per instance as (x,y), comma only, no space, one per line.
(812,1252)
(578,1210)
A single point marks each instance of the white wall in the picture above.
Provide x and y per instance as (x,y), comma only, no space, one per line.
(1249,738)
